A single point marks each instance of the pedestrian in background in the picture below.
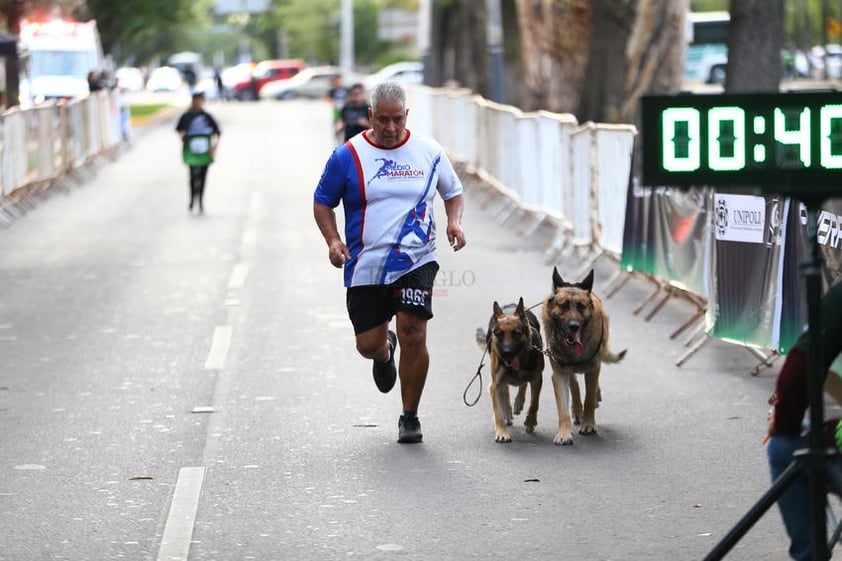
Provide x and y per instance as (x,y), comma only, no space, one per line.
(200,137)
(336,95)
(95,82)
(786,420)
(121,97)
(353,117)
(386,179)
(220,85)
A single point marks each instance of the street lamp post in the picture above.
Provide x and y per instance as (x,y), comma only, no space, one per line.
(346,39)
(495,49)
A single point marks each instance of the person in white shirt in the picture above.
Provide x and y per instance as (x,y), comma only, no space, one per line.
(386,179)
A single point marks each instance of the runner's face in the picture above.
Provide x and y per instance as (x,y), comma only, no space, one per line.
(388,123)
(356,96)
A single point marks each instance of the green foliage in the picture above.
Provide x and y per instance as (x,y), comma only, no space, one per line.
(709,5)
(147,29)
(803,24)
(311,28)
(367,47)
(147,110)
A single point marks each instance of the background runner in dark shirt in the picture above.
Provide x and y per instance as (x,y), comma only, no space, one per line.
(353,119)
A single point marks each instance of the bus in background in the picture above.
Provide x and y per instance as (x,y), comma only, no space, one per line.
(60,55)
(707,46)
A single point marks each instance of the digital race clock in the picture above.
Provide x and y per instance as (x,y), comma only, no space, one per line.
(783,143)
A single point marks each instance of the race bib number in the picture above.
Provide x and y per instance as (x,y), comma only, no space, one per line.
(414,296)
(199,145)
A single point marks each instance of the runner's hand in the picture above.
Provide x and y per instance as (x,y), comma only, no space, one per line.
(338,253)
(455,236)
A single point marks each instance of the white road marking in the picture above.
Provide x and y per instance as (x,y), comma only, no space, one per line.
(30,467)
(178,531)
(219,348)
(238,276)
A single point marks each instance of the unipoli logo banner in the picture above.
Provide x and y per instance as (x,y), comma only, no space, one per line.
(739,218)
(745,302)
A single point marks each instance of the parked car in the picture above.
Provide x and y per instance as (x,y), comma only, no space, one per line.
(164,79)
(833,61)
(233,75)
(266,72)
(825,62)
(407,72)
(130,78)
(313,83)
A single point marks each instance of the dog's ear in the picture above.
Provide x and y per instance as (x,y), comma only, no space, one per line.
(558,282)
(498,311)
(519,311)
(587,284)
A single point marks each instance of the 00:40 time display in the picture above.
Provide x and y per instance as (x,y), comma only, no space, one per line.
(728,147)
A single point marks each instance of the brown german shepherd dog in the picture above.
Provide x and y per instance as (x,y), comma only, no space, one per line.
(576,329)
(514,344)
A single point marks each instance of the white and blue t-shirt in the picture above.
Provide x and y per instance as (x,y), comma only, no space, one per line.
(387,195)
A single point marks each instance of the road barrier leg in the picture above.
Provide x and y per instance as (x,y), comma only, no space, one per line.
(699,314)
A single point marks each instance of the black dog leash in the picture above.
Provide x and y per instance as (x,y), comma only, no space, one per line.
(471,383)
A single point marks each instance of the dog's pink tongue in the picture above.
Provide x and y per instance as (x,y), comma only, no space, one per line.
(516,364)
(580,348)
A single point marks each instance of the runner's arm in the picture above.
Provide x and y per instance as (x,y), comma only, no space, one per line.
(455,236)
(326,219)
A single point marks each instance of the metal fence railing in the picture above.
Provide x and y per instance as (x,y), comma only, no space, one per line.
(575,174)
(40,144)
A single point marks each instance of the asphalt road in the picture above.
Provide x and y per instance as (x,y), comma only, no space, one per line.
(171,382)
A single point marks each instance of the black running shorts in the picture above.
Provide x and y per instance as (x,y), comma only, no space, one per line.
(370,306)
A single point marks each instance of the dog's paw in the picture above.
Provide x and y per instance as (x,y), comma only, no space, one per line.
(529,428)
(502,437)
(587,429)
(518,410)
(561,440)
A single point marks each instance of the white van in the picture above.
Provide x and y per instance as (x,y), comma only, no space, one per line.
(60,55)
(707,46)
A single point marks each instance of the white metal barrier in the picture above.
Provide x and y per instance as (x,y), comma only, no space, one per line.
(39,144)
(544,162)
(555,160)
(580,197)
(614,146)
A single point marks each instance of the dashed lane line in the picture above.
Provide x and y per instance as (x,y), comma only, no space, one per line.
(178,531)
(219,348)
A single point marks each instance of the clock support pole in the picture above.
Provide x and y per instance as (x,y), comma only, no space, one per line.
(814,461)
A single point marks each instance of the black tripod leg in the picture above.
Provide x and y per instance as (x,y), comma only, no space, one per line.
(763,504)
(834,484)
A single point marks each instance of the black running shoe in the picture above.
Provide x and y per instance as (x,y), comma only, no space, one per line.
(385,373)
(409,429)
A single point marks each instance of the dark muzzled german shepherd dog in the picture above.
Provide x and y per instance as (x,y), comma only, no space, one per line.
(514,344)
(576,330)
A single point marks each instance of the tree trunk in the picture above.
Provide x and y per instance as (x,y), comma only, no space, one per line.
(13,10)
(656,53)
(602,88)
(554,39)
(755,39)
(470,62)
(434,66)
